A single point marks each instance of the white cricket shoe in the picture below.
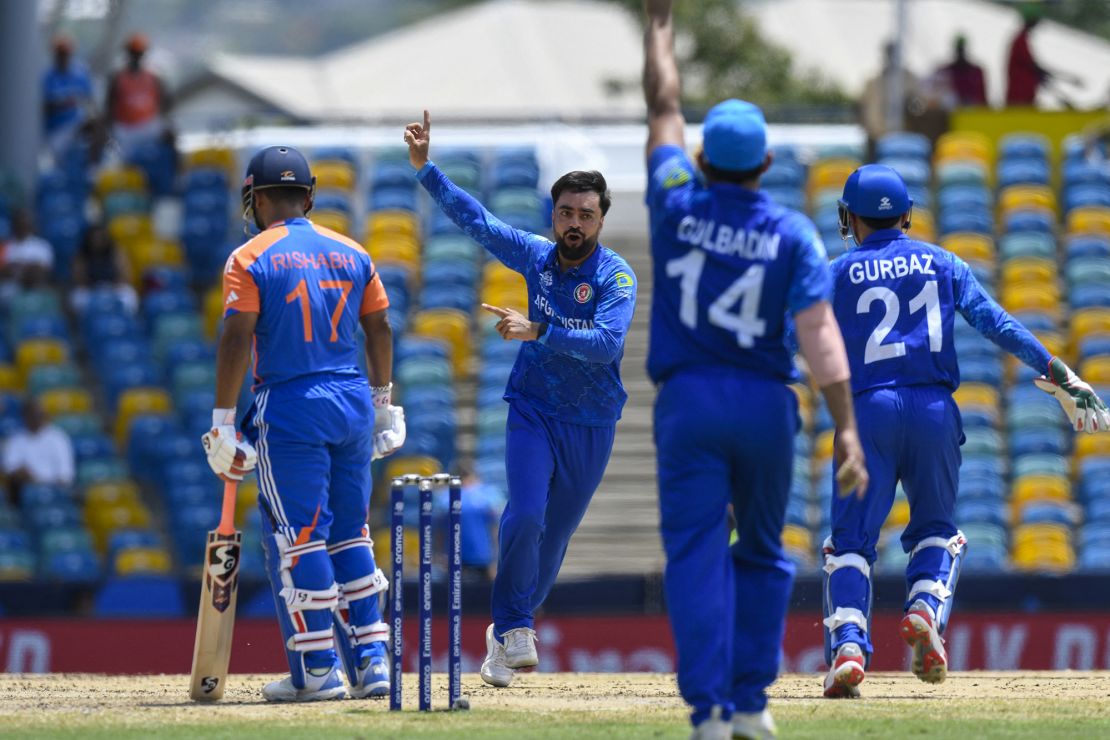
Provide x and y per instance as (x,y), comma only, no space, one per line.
(495,671)
(919,630)
(846,673)
(754,725)
(713,728)
(317,688)
(520,648)
(373,679)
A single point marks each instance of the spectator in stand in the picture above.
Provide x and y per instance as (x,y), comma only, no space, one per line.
(67,97)
(101,265)
(137,101)
(963,79)
(482,505)
(1025,74)
(872,106)
(38,453)
(27,258)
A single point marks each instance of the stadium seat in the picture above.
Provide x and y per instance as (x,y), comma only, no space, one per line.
(140,596)
(1089,220)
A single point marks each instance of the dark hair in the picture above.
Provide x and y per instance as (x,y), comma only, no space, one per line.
(878,224)
(288,195)
(734,177)
(583,181)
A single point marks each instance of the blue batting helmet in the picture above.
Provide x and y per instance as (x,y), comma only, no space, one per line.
(873,191)
(276,167)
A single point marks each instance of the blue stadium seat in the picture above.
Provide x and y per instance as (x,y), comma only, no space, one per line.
(181,495)
(92,446)
(99,327)
(1080,196)
(1027,220)
(1021,145)
(1023,172)
(784,173)
(915,171)
(392,175)
(1038,441)
(1082,172)
(210,179)
(976,221)
(166,302)
(904,144)
(960,197)
(1087,245)
(56,516)
(787,197)
(140,596)
(393,198)
(71,567)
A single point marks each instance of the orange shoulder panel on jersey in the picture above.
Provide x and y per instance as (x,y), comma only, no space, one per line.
(374,297)
(240,290)
(344,240)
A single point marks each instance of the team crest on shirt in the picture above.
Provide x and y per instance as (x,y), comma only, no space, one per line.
(546,278)
(583,293)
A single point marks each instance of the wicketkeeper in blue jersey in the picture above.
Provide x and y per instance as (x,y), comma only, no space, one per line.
(896,299)
(729,266)
(564,393)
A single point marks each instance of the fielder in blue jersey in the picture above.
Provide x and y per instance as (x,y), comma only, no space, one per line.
(729,267)
(896,300)
(564,393)
(296,295)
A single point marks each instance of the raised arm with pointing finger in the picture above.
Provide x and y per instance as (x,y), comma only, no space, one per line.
(564,393)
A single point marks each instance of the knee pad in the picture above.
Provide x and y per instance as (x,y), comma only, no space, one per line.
(934,570)
(848,597)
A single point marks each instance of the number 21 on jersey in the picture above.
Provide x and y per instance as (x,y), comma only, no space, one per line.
(875,350)
(746,290)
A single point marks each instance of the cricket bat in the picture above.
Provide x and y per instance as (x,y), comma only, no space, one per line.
(216,616)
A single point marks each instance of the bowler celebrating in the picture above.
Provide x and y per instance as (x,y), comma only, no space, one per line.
(564,393)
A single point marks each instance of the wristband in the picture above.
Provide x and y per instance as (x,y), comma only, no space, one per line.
(223,417)
(381,395)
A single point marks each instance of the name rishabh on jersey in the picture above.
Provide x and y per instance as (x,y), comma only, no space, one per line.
(728,265)
(896,299)
(309,286)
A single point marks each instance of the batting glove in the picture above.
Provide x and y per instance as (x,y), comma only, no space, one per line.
(389,422)
(1085,410)
(229,455)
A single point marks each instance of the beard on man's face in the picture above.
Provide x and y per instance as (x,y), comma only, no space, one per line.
(573,245)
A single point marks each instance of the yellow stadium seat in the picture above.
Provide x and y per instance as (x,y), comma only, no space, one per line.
(150,253)
(111,493)
(104,520)
(970,247)
(797,538)
(58,401)
(1042,532)
(133,560)
(333,174)
(412,464)
(1053,341)
(1041,298)
(32,352)
(923,226)
(135,401)
(394,249)
(216,157)
(392,223)
(10,379)
(129,229)
(976,394)
(123,178)
(1089,220)
(1038,197)
(899,514)
(831,173)
(1096,370)
(213,310)
(823,447)
(1028,270)
(1040,488)
(246,499)
(964,145)
(1041,558)
(495,273)
(1088,445)
(334,220)
(450,325)
(1088,321)
(516,298)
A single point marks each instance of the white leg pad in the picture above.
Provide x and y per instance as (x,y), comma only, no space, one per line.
(843,616)
(953,544)
(848,560)
(361,588)
(376,632)
(303,642)
(303,599)
(363,541)
(935,588)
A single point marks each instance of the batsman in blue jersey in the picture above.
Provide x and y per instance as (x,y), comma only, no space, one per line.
(729,267)
(295,296)
(896,300)
(564,393)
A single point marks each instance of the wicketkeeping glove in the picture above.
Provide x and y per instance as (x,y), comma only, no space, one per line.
(229,455)
(1084,408)
(389,422)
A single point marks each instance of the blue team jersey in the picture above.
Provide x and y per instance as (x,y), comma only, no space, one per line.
(309,286)
(572,373)
(896,300)
(728,266)
(58,85)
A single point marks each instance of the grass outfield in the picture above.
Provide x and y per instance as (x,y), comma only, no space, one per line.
(564,705)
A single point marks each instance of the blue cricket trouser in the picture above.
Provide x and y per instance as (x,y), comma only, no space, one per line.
(313,438)
(725,436)
(553,468)
(912,434)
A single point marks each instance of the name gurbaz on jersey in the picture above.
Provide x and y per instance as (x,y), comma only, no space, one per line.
(568,323)
(889,269)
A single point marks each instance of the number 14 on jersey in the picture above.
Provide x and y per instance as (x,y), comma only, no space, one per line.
(745,290)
